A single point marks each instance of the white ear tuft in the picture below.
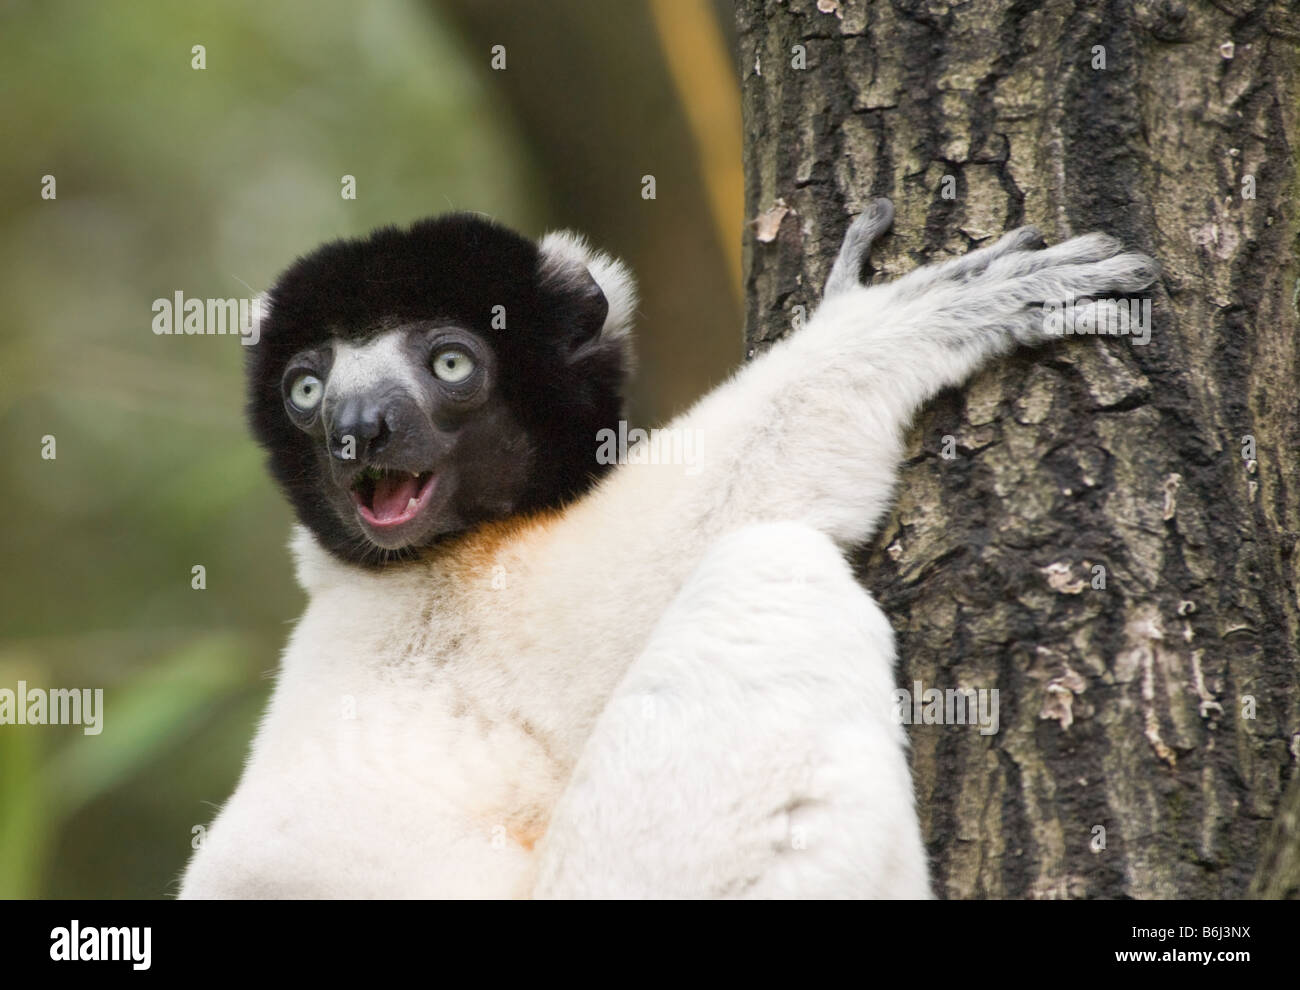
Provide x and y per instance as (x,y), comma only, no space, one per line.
(565,254)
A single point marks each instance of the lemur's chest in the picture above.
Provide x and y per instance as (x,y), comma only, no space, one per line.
(431,717)
(431,720)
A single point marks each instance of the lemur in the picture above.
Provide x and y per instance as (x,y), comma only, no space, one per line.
(523,674)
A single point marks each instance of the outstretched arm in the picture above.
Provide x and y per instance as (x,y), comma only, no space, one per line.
(812,430)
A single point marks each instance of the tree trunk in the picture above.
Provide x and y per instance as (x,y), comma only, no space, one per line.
(1164,707)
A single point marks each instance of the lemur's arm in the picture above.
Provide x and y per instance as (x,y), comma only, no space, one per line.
(748,750)
(812,429)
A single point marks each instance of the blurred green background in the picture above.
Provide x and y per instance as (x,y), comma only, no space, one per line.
(210,182)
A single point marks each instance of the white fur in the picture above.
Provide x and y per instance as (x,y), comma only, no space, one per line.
(357,368)
(655,692)
(750,750)
(567,255)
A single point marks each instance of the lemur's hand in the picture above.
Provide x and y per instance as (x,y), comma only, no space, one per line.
(995,295)
(846,273)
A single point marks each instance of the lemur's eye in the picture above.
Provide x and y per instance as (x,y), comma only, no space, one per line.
(306,392)
(452,366)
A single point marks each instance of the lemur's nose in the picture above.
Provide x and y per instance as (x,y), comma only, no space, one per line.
(359,430)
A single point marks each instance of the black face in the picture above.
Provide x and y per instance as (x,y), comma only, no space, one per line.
(412,434)
(413,384)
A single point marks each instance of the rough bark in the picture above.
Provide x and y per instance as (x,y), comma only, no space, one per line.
(1127,707)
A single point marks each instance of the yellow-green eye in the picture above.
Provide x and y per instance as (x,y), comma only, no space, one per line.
(306,392)
(452,366)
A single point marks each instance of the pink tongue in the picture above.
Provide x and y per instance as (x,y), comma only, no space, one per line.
(392,494)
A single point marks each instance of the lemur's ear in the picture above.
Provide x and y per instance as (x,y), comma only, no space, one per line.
(582,303)
(596,292)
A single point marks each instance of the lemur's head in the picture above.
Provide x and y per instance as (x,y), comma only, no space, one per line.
(413,383)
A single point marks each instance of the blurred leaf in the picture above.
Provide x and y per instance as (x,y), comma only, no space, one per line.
(143,717)
(23,833)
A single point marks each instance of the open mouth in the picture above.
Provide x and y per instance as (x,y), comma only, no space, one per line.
(386,498)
